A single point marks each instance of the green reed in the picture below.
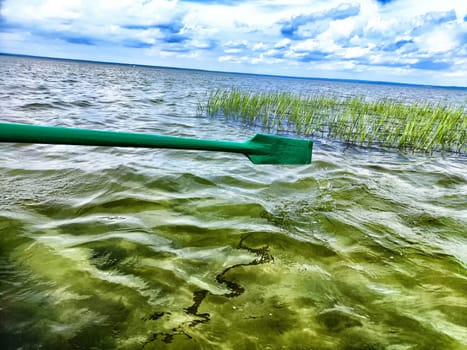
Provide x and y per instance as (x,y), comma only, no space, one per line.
(416,126)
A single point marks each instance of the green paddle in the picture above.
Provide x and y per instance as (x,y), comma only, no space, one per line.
(261,149)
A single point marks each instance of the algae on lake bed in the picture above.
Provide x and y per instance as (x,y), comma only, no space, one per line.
(323,260)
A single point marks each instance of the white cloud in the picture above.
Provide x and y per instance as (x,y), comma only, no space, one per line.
(436,41)
(233,51)
(233,59)
(355,52)
(38,11)
(283,43)
(260,47)
(336,38)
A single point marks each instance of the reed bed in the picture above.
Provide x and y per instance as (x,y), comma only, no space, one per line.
(418,126)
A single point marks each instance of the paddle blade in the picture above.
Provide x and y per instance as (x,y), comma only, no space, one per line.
(280,150)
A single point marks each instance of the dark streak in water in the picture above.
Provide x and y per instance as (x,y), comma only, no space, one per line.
(198,297)
(263,257)
(37,106)
(156,101)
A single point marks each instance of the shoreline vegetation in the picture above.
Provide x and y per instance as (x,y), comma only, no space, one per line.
(388,123)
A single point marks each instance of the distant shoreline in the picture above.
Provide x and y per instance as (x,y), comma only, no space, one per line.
(250,74)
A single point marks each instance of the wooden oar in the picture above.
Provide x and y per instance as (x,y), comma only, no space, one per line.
(261,149)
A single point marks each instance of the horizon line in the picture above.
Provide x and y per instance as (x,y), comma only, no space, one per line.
(234,72)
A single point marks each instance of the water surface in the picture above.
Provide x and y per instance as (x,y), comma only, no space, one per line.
(104,248)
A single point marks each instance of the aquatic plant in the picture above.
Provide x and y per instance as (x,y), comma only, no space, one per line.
(391,123)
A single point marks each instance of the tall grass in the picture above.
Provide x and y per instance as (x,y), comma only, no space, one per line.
(389,123)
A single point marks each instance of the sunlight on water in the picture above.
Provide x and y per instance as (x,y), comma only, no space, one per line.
(162,249)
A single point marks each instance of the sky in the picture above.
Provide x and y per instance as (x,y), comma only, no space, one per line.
(405,41)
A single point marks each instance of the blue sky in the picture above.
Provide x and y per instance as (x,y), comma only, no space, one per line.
(408,41)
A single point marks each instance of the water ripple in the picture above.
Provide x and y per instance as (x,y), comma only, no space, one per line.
(134,248)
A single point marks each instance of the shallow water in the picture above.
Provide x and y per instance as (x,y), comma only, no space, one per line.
(129,248)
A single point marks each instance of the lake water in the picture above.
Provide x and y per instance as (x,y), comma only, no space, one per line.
(125,248)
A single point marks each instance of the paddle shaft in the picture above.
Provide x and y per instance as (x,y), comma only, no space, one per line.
(23,133)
